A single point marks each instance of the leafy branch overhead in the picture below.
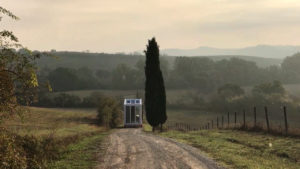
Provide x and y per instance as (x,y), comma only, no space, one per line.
(18,79)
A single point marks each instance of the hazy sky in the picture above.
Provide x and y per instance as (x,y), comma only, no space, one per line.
(125,25)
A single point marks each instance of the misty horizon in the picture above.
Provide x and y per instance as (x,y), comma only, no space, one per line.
(125,26)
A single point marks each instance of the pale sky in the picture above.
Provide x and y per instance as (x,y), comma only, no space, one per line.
(126,25)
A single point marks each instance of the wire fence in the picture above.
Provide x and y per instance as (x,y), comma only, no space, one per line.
(245,122)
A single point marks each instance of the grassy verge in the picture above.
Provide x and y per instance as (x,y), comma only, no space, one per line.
(49,135)
(238,149)
(82,154)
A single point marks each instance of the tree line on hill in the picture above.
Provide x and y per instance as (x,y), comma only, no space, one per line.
(199,73)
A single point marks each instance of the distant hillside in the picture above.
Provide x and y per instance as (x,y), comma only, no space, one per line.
(106,61)
(265,51)
(93,61)
(260,61)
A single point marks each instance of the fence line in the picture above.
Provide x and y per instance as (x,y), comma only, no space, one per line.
(210,124)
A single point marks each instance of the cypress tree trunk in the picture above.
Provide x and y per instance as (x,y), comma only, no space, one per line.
(155,95)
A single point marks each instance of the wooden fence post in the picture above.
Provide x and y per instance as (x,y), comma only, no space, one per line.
(244,116)
(228,120)
(222,120)
(254,111)
(267,118)
(234,119)
(217,122)
(207,125)
(285,120)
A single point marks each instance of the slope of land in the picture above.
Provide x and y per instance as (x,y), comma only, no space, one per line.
(95,61)
(239,149)
(267,51)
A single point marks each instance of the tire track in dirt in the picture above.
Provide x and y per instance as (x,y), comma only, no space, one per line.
(135,149)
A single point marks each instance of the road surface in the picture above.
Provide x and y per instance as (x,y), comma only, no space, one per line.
(135,149)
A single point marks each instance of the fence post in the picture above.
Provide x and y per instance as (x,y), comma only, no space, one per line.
(228,120)
(244,115)
(234,119)
(207,125)
(222,120)
(285,120)
(254,111)
(267,118)
(217,122)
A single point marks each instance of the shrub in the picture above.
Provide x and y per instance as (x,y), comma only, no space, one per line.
(93,100)
(109,113)
(27,151)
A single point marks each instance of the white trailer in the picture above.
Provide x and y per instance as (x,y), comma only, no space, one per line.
(133,113)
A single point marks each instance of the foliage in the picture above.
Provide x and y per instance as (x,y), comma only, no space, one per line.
(26,151)
(68,100)
(290,66)
(64,79)
(269,88)
(230,90)
(17,72)
(155,94)
(109,112)
(123,77)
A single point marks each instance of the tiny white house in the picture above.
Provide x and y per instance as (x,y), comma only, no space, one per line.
(133,112)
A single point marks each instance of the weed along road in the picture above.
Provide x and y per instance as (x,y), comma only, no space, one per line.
(135,149)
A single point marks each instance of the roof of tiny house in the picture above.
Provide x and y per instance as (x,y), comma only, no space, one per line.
(132,101)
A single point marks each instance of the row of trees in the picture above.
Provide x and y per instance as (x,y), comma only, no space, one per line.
(202,74)
(68,100)
(233,98)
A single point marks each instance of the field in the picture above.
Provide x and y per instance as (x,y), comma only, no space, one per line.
(173,95)
(57,121)
(238,149)
(75,129)
(198,118)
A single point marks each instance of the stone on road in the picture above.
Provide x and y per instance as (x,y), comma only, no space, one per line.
(135,149)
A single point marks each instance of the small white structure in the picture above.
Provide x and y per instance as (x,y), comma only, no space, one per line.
(133,112)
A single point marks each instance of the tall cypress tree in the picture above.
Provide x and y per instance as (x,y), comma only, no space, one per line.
(155,94)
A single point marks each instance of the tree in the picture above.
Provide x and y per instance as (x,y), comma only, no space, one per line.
(155,94)
(123,77)
(64,79)
(230,90)
(274,87)
(17,71)
(290,67)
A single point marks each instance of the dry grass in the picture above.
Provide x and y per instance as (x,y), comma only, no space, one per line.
(61,122)
(244,150)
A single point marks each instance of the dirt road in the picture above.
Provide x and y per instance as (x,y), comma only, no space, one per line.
(135,149)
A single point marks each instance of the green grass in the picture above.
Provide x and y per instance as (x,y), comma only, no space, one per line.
(75,130)
(238,149)
(147,127)
(81,155)
(41,122)
(194,118)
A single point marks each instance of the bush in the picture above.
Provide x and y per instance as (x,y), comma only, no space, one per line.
(67,100)
(26,151)
(109,112)
(93,100)
(11,154)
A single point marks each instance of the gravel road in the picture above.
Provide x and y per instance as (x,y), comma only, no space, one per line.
(135,149)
